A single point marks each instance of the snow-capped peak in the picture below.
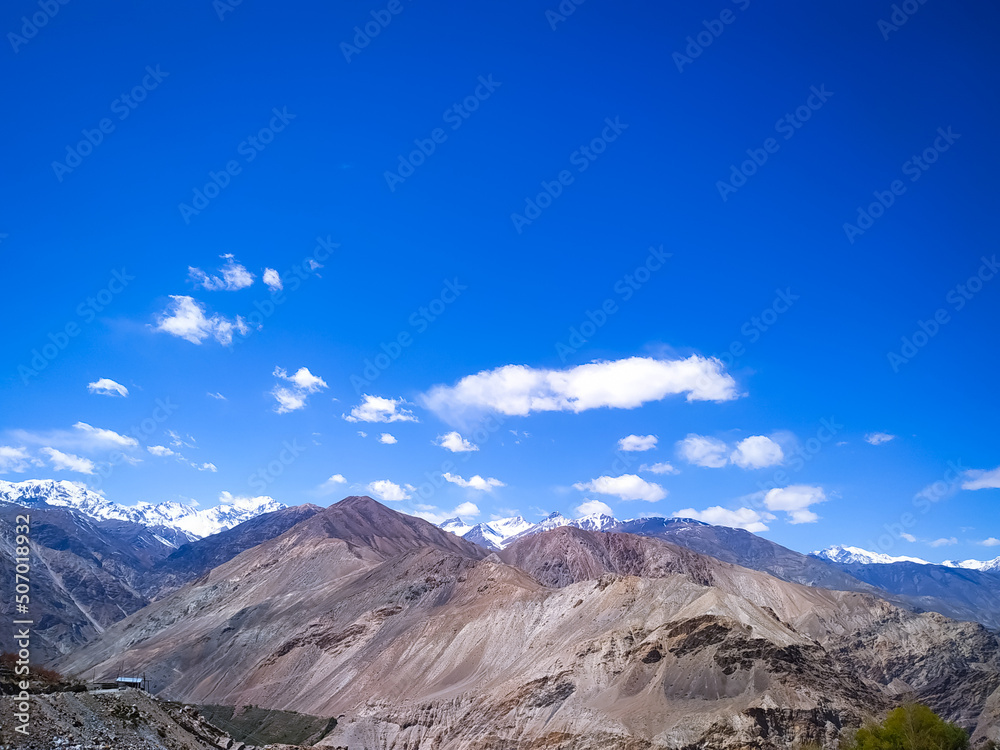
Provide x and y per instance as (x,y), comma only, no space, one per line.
(501,532)
(595,522)
(987,566)
(456,526)
(851,555)
(498,533)
(187,519)
(510,526)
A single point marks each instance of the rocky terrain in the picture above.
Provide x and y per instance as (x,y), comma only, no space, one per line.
(88,574)
(414,637)
(963,591)
(126,720)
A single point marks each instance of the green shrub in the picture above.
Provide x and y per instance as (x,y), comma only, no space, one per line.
(910,727)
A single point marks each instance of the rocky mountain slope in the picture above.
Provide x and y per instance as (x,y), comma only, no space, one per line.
(571,638)
(87,574)
(960,593)
(128,720)
(950,592)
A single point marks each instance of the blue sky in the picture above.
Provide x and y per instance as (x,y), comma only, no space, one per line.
(760,220)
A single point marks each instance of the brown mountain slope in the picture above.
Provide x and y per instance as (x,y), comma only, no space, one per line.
(418,642)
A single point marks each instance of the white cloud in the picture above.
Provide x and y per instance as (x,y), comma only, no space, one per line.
(943,542)
(466,509)
(741,518)
(659,468)
(908,537)
(637,442)
(620,384)
(273,280)
(386,439)
(877,438)
(991,542)
(626,487)
(102,438)
(293,397)
(332,484)
(107,387)
(378,409)
(185,318)
(436,516)
(388,491)
(161,450)
(206,467)
(455,443)
(795,501)
(235,276)
(594,508)
(178,442)
(15,459)
(362,433)
(757,452)
(68,462)
(703,451)
(475,482)
(976,479)
(217,396)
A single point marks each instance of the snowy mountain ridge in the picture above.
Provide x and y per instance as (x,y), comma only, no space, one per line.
(500,533)
(857,556)
(191,522)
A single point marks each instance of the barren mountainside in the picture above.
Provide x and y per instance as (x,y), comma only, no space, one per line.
(573,638)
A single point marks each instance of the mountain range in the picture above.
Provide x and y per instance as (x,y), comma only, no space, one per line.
(94,563)
(174,523)
(415,637)
(857,555)
(966,593)
(590,632)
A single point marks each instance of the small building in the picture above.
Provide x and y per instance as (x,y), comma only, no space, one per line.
(139,683)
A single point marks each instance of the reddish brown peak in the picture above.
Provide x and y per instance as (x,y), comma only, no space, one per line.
(357,501)
(309,506)
(363,521)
